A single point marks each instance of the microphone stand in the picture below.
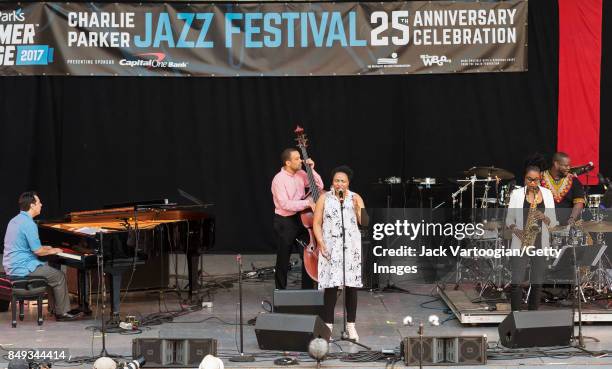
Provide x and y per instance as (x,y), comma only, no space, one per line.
(100,261)
(242,358)
(344,334)
(579,341)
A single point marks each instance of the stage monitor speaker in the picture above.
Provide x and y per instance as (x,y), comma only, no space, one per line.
(431,351)
(191,352)
(298,302)
(446,350)
(172,353)
(156,352)
(289,332)
(536,328)
(466,350)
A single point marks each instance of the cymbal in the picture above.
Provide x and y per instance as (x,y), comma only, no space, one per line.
(424,181)
(489,172)
(558,228)
(596,227)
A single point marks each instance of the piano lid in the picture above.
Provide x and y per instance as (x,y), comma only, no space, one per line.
(140,204)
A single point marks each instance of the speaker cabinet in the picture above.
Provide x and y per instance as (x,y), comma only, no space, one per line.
(298,302)
(536,329)
(173,353)
(289,332)
(430,347)
(155,351)
(191,352)
(466,350)
(448,351)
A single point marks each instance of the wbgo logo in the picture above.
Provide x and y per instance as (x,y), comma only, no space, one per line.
(14,16)
(429,60)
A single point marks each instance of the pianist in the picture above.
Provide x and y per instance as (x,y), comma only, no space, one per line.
(22,248)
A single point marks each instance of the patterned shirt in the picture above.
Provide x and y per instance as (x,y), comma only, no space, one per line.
(566,191)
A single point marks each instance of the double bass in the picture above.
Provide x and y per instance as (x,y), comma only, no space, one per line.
(311,250)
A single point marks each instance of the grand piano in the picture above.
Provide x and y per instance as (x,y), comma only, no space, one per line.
(116,239)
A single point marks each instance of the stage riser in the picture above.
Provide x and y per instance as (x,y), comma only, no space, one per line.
(477,317)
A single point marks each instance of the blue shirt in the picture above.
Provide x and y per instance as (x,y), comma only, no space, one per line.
(20,242)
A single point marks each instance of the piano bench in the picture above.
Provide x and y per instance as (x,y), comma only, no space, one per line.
(16,290)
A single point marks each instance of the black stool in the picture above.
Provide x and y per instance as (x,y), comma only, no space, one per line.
(20,289)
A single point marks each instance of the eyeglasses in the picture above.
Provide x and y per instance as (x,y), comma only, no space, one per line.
(529,179)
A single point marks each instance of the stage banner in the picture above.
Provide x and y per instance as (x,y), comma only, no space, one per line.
(262,39)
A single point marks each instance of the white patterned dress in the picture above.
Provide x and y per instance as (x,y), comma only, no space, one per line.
(330,272)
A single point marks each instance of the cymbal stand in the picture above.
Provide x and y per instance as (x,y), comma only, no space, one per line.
(485,195)
(460,191)
(499,276)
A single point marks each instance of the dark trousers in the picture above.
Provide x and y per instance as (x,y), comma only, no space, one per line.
(329,301)
(286,231)
(520,265)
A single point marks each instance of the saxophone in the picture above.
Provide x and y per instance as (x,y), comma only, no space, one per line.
(531,229)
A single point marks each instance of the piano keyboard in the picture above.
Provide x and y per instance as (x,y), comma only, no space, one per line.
(69,256)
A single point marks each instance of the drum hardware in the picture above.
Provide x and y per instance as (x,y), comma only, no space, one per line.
(594,200)
(426,181)
(468,182)
(485,175)
(459,192)
(506,191)
(484,204)
(490,274)
(490,172)
(500,275)
(599,279)
(486,201)
(390,180)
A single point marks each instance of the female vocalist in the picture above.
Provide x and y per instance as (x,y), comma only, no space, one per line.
(327,225)
(537,200)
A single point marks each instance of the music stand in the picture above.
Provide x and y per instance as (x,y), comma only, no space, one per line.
(576,257)
(570,256)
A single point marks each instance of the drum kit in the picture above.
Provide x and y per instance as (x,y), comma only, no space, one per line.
(493,274)
(489,177)
(495,185)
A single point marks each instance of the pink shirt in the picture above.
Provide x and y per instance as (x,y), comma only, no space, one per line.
(288,191)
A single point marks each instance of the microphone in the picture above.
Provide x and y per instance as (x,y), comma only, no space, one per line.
(576,171)
(341,195)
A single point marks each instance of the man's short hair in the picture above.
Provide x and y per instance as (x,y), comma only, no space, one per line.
(286,154)
(558,156)
(26,199)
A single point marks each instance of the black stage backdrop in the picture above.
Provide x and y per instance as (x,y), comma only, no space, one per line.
(85,142)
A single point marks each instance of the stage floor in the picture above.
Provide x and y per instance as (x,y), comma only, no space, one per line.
(379,323)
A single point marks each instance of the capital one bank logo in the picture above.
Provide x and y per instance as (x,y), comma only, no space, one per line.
(16,15)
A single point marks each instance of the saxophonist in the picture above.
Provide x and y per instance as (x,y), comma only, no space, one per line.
(531,212)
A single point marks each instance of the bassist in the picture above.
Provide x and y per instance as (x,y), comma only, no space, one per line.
(289,195)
